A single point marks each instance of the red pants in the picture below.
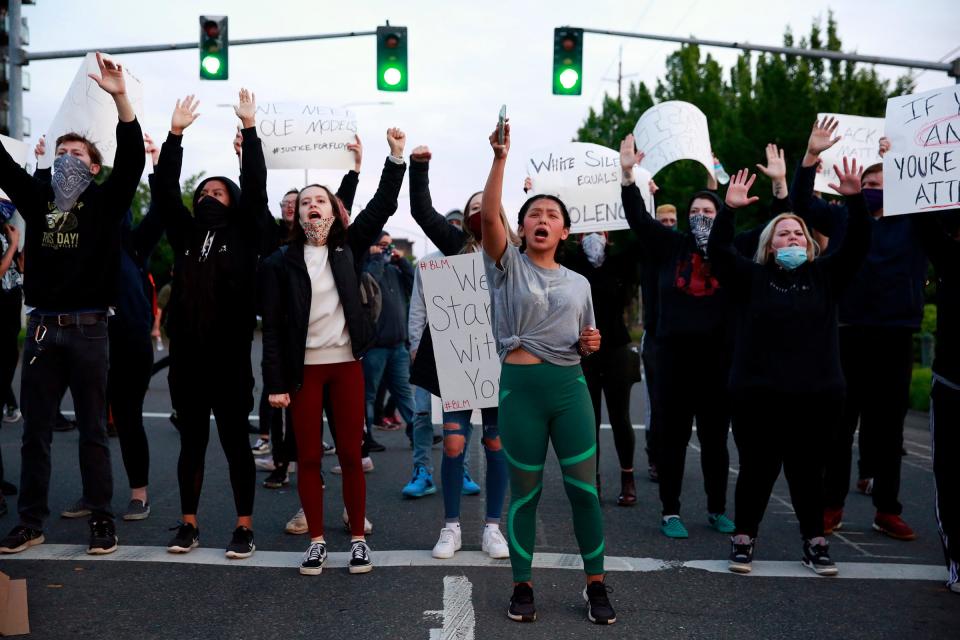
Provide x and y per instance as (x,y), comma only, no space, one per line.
(345,381)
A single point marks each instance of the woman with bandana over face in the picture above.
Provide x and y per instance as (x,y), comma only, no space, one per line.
(786,374)
(211,316)
(316,327)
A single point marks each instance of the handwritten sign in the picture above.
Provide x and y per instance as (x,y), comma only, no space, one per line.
(859,138)
(921,172)
(297,135)
(587,178)
(458,310)
(90,111)
(671,131)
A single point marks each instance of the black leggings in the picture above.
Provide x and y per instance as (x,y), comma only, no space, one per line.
(10,307)
(205,378)
(131,365)
(606,373)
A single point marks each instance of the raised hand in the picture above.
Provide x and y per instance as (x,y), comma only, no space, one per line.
(738,191)
(421,153)
(527,184)
(500,151)
(357,149)
(629,155)
(848,180)
(184,115)
(397,139)
(151,148)
(653,187)
(246,109)
(41,147)
(822,136)
(111,76)
(238,142)
(884,146)
(776,168)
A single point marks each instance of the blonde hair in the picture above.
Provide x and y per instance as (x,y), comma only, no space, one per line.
(766,239)
(666,208)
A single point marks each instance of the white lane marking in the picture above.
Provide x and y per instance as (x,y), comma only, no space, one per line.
(422,558)
(458,616)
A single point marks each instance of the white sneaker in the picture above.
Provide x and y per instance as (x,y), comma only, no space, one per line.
(292,467)
(11,414)
(448,544)
(297,524)
(367,466)
(261,447)
(367,525)
(264,464)
(494,544)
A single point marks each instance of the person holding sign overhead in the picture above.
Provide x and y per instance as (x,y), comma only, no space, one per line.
(543,323)
(786,372)
(317,324)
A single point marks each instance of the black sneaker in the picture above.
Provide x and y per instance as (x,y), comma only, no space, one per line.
(188,537)
(741,554)
(816,557)
(599,609)
(374,446)
(241,544)
(521,604)
(21,538)
(360,561)
(137,510)
(278,478)
(78,510)
(313,559)
(103,537)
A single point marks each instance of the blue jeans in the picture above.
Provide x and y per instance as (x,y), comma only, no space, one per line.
(422,429)
(392,366)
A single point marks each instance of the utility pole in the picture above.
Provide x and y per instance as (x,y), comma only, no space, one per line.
(15,64)
(620,77)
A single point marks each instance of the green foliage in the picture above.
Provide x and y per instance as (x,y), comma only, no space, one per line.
(765,98)
(920,385)
(929,322)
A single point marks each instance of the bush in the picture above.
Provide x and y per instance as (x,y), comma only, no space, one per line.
(920,385)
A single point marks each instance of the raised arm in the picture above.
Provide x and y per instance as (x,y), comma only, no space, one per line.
(348,185)
(448,238)
(731,268)
(816,212)
(26,193)
(369,223)
(253,168)
(494,234)
(655,240)
(165,192)
(776,169)
(842,265)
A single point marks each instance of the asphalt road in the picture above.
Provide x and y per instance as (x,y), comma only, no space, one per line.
(661,588)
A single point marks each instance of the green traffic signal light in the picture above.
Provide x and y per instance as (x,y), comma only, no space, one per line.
(213,48)
(567,61)
(392,72)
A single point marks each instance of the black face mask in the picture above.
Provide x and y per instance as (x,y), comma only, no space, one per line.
(211,213)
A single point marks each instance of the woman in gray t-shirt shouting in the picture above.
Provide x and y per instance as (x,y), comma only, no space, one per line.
(543,323)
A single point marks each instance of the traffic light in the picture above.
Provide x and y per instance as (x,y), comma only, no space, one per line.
(391,58)
(213,48)
(567,61)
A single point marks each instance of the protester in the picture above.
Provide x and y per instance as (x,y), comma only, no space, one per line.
(543,323)
(317,324)
(786,372)
(457,426)
(72,232)
(878,316)
(667,216)
(211,317)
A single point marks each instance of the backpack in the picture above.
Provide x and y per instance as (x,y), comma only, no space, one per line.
(371,299)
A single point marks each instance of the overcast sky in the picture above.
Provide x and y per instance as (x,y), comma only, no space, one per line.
(465,60)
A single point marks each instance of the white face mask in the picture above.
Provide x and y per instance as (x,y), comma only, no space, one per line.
(594,245)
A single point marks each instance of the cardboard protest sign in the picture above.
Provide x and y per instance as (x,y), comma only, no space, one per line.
(921,172)
(859,138)
(587,178)
(671,131)
(14,620)
(90,111)
(458,309)
(18,150)
(298,135)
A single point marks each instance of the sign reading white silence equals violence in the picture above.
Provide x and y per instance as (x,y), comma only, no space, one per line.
(305,136)
(921,172)
(458,310)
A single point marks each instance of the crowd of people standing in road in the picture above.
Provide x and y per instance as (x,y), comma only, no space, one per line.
(794,334)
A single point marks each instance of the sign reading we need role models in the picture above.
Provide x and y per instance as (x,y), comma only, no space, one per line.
(859,138)
(90,111)
(921,172)
(458,309)
(297,135)
(587,178)
(671,131)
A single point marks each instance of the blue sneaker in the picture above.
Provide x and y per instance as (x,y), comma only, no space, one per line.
(420,485)
(470,488)
(672,527)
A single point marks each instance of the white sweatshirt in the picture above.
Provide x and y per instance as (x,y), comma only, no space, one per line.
(328,339)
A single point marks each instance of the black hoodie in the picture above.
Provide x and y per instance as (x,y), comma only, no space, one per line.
(212,299)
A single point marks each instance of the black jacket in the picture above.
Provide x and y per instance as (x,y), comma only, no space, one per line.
(612,286)
(72,256)
(212,299)
(286,290)
(786,320)
(944,254)
(396,284)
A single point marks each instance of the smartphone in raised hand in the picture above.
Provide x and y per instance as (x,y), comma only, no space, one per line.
(501,123)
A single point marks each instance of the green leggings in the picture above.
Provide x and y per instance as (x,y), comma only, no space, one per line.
(538,403)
